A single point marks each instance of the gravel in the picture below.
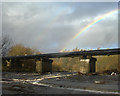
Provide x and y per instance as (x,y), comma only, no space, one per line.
(58,83)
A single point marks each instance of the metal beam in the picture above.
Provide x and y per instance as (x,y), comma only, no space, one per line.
(68,54)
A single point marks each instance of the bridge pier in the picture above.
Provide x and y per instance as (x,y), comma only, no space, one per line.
(88,64)
(44,65)
(92,65)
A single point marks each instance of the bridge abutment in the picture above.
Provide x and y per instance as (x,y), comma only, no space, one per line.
(44,65)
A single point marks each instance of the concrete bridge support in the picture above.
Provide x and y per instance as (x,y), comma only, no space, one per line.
(88,64)
(92,65)
(44,65)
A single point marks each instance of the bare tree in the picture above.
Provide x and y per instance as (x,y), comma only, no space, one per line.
(5,45)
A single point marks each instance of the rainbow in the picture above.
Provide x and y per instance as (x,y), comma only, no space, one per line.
(90,25)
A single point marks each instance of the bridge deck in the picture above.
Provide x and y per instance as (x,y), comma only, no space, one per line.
(68,54)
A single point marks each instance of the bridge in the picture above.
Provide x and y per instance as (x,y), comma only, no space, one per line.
(44,62)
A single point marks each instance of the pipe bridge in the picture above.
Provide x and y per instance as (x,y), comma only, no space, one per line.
(44,62)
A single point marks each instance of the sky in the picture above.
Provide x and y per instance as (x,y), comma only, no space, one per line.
(52,26)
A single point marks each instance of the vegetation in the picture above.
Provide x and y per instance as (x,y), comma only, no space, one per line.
(74,64)
(5,45)
(20,50)
(108,62)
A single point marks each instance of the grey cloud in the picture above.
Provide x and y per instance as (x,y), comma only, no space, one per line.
(49,26)
(88,10)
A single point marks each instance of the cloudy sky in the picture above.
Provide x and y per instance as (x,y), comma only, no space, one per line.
(50,27)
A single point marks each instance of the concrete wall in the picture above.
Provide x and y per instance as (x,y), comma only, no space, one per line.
(39,66)
(84,66)
(88,65)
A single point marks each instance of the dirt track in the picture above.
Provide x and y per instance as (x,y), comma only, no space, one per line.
(58,83)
